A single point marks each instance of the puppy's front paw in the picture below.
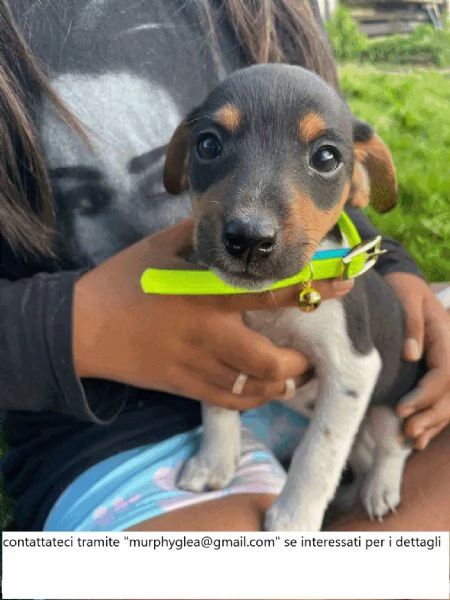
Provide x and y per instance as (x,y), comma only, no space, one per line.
(279,518)
(380,494)
(201,474)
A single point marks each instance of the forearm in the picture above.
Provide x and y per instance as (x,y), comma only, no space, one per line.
(37,370)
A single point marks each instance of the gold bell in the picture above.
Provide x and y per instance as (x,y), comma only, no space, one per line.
(309,298)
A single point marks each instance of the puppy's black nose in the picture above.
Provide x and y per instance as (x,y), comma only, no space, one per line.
(249,238)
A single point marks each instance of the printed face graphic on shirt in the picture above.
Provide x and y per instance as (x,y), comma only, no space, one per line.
(110,196)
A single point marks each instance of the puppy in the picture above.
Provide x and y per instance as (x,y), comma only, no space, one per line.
(271,159)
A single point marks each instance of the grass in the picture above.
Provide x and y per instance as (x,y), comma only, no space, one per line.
(409,110)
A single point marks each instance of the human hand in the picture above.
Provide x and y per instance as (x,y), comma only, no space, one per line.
(191,346)
(427,331)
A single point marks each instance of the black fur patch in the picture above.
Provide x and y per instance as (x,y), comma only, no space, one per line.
(374,318)
(336,234)
(362,132)
(357,318)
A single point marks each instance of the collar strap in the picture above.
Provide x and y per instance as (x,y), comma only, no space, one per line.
(325,264)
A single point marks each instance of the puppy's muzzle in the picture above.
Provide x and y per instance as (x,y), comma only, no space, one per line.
(249,240)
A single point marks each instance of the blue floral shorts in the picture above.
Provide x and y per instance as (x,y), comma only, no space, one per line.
(140,484)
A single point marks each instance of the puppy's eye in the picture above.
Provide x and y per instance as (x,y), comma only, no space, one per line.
(209,146)
(326,159)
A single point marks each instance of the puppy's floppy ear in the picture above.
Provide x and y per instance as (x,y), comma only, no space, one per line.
(374,178)
(174,175)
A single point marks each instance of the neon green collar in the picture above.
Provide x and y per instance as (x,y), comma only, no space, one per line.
(327,264)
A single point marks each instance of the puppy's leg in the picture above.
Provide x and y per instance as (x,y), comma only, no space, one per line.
(346,383)
(361,460)
(380,492)
(213,467)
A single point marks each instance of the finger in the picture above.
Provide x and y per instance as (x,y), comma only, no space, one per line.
(169,246)
(431,388)
(428,419)
(414,329)
(223,376)
(218,396)
(333,288)
(424,440)
(255,355)
(178,236)
(285,297)
(437,335)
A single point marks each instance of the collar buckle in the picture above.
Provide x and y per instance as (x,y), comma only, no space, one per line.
(371,249)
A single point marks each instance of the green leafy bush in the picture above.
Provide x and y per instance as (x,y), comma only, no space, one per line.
(410,112)
(424,46)
(347,41)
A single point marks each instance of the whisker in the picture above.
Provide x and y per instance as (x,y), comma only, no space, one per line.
(273,298)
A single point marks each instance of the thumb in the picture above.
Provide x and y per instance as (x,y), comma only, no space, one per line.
(177,238)
(411,291)
(283,297)
(170,247)
(414,330)
(333,288)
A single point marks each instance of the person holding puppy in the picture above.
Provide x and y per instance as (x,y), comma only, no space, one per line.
(100,382)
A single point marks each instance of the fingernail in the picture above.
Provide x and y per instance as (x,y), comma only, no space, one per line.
(342,287)
(423,444)
(412,349)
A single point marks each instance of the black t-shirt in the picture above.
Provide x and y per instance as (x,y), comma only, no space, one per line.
(129,71)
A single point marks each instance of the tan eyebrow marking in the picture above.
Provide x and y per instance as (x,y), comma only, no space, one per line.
(311,126)
(229,116)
